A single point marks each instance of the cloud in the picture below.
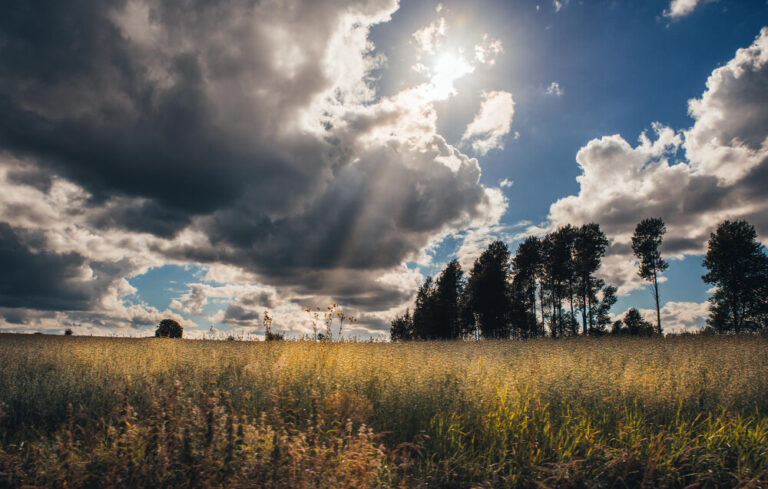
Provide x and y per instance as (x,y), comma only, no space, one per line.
(677,317)
(487,50)
(430,37)
(492,122)
(247,294)
(247,138)
(554,89)
(506,183)
(475,239)
(681,8)
(717,169)
(44,280)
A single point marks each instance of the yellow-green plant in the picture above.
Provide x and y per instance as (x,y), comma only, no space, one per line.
(585,412)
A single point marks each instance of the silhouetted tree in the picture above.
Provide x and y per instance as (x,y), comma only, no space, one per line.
(487,291)
(588,250)
(440,311)
(68,332)
(646,244)
(636,325)
(570,324)
(424,310)
(526,267)
(448,291)
(602,319)
(467,317)
(557,274)
(401,327)
(738,266)
(169,328)
(617,327)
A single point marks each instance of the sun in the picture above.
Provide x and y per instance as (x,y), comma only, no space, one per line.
(447,68)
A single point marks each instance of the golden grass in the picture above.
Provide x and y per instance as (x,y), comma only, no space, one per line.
(586,412)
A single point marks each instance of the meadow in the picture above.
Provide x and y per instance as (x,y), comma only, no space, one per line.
(583,412)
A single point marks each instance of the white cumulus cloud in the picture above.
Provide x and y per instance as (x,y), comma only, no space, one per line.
(681,8)
(717,169)
(554,89)
(492,122)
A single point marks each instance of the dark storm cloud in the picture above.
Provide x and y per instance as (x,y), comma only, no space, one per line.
(125,135)
(372,216)
(235,132)
(239,316)
(44,280)
(13,315)
(145,216)
(31,176)
(87,100)
(258,299)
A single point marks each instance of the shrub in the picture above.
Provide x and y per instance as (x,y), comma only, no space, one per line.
(68,332)
(270,336)
(169,328)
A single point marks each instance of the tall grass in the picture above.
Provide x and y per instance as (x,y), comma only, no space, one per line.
(651,412)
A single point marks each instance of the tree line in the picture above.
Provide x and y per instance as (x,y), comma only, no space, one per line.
(550,287)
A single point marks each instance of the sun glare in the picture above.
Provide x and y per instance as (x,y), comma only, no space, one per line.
(448,68)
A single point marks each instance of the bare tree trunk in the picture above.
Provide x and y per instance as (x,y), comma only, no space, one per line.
(572,318)
(584,284)
(589,299)
(658,310)
(534,329)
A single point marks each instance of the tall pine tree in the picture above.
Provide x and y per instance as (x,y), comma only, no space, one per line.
(487,291)
(646,244)
(738,266)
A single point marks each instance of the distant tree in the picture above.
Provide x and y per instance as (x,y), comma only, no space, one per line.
(558,274)
(169,328)
(570,324)
(617,327)
(569,270)
(526,267)
(602,319)
(448,291)
(520,320)
(424,310)
(467,316)
(274,336)
(738,266)
(646,244)
(588,250)
(68,332)
(487,291)
(636,325)
(401,327)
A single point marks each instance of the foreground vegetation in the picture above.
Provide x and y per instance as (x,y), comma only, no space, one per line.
(584,412)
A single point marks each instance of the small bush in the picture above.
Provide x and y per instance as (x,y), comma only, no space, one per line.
(269,336)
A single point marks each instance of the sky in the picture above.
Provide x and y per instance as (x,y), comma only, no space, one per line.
(209,161)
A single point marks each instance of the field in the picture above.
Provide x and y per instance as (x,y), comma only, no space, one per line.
(586,412)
